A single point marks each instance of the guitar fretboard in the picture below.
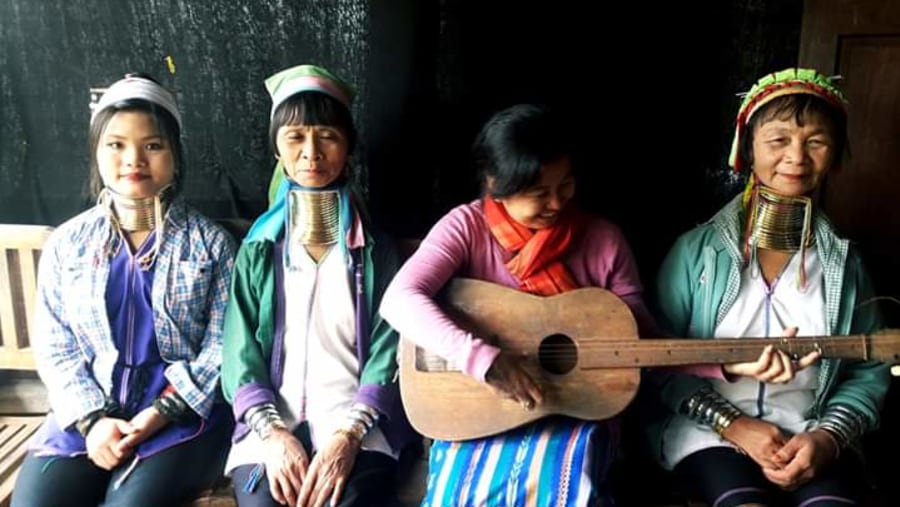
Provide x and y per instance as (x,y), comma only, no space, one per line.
(629,353)
(675,352)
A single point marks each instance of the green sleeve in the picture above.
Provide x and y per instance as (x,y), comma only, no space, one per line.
(381,364)
(862,385)
(676,299)
(674,290)
(248,320)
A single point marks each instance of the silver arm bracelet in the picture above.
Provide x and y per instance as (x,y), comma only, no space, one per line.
(263,418)
(710,408)
(360,419)
(845,424)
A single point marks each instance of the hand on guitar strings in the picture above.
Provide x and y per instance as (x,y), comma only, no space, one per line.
(774,366)
(508,376)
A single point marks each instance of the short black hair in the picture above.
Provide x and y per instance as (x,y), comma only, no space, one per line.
(800,106)
(514,144)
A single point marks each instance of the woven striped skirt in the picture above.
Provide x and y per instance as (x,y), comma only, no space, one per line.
(552,462)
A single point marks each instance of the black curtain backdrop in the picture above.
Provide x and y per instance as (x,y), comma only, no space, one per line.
(650,109)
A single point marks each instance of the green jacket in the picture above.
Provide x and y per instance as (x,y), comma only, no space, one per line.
(250,374)
(699,282)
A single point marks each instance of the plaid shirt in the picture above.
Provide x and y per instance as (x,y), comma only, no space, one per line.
(72,340)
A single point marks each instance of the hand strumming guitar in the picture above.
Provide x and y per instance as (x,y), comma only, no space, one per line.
(508,376)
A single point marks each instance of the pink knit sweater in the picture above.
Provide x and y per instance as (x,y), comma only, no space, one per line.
(461,245)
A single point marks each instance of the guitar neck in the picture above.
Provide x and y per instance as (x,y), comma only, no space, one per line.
(679,352)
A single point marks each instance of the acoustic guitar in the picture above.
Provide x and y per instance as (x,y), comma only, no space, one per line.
(582,347)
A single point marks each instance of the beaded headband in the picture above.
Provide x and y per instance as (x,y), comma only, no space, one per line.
(778,84)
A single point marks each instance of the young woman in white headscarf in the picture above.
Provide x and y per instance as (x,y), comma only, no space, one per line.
(128,319)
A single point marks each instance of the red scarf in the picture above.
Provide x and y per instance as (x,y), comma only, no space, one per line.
(536,254)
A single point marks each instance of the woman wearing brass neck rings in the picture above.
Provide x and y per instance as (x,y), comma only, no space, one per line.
(128,324)
(309,363)
(778,430)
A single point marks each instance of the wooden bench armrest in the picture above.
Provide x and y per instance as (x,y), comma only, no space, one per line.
(20,248)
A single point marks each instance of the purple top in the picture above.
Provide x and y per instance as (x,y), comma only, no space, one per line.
(461,244)
(139,372)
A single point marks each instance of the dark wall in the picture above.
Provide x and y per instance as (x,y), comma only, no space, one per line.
(54,51)
(650,108)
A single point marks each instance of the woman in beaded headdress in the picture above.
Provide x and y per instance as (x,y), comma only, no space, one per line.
(128,324)
(780,429)
(310,365)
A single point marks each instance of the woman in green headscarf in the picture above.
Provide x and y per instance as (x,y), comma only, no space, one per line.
(309,364)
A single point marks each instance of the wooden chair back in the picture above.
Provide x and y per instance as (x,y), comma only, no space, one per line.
(20,250)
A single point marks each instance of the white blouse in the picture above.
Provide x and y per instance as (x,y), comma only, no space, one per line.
(763,311)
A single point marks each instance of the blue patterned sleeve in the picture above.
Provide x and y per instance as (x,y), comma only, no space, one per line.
(61,361)
(196,380)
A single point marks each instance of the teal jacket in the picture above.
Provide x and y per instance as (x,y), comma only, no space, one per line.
(252,373)
(699,282)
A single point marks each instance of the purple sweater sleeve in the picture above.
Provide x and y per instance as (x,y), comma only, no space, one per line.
(408,303)
(604,259)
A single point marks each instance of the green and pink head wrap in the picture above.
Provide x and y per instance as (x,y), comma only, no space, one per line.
(305,78)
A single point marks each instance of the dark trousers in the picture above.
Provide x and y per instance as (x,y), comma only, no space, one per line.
(371,483)
(725,478)
(170,477)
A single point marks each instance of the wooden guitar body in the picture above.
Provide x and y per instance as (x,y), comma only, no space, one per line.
(447,404)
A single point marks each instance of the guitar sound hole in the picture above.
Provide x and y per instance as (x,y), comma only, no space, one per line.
(558,354)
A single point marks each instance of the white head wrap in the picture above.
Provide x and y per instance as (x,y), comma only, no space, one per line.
(134,87)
